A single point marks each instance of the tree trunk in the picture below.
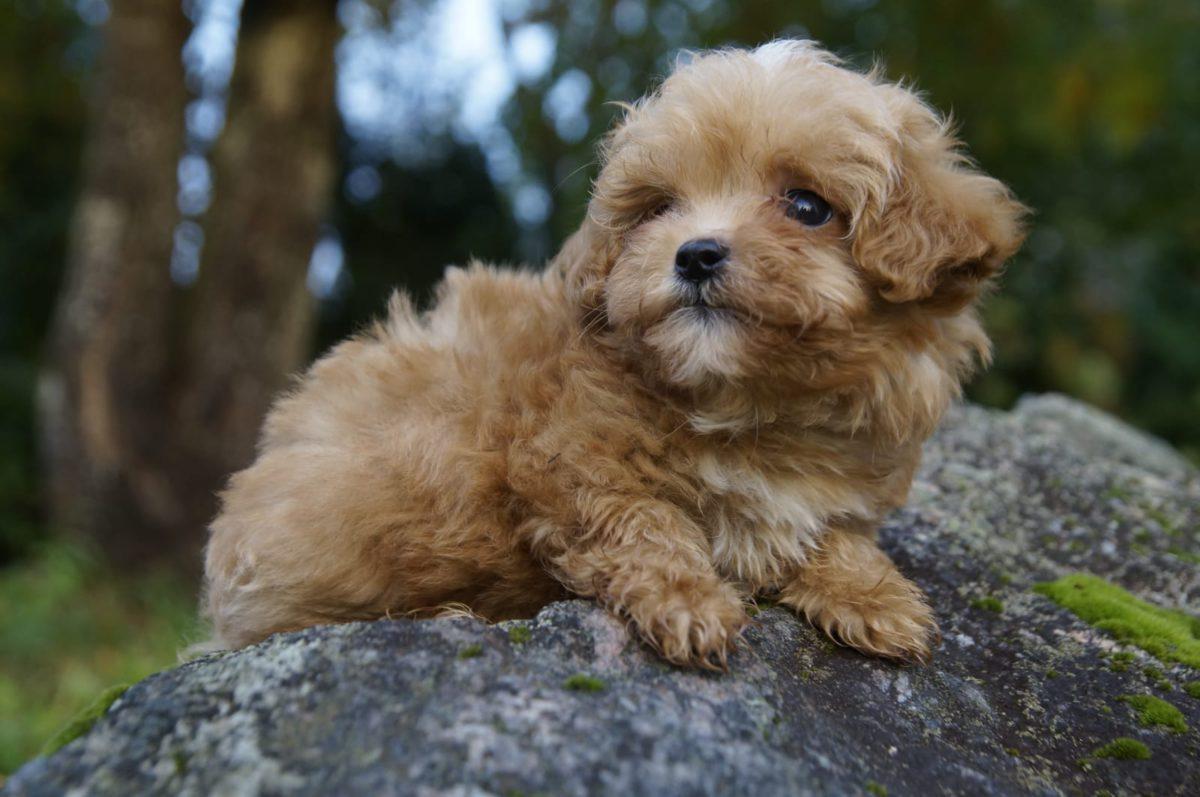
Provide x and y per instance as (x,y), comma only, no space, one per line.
(274,166)
(101,399)
(153,396)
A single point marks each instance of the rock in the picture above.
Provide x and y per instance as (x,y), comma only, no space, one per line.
(1022,697)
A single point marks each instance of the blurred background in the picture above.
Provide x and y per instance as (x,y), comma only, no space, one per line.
(197,198)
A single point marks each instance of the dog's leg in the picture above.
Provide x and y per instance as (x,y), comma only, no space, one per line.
(851,590)
(647,561)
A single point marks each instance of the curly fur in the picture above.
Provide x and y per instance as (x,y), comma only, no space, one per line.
(587,430)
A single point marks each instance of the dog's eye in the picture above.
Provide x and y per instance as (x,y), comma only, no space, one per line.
(808,208)
(657,210)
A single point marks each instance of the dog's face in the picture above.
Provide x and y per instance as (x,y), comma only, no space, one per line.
(768,214)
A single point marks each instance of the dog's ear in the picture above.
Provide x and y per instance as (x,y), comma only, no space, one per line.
(584,262)
(941,229)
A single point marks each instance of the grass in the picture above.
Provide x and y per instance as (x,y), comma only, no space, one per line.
(69,631)
(1153,711)
(1169,636)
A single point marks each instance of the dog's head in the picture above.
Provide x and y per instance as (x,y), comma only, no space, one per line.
(770,218)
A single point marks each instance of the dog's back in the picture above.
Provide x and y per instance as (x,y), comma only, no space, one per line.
(390,457)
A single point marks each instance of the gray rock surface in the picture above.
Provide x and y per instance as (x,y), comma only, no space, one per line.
(1014,702)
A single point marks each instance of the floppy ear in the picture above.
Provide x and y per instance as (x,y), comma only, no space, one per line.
(942,229)
(584,262)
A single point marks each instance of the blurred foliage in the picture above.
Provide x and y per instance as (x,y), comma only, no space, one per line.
(424,217)
(42,57)
(70,628)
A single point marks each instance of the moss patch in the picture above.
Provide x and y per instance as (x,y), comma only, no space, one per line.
(519,634)
(1120,661)
(1193,689)
(989,603)
(471,651)
(1169,636)
(1153,711)
(876,789)
(759,605)
(1123,748)
(582,682)
(1184,556)
(82,722)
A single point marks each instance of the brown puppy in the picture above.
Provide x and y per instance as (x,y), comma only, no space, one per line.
(715,391)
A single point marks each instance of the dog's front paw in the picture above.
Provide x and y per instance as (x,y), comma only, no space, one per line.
(891,619)
(693,622)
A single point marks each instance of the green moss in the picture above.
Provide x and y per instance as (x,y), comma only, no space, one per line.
(1117,492)
(759,605)
(471,651)
(1051,673)
(1158,678)
(989,603)
(1184,556)
(1124,749)
(1169,636)
(876,789)
(1153,711)
(519,634)
(1193,689)
(82,722)
(1162,519)
(1119,662)
(582,682)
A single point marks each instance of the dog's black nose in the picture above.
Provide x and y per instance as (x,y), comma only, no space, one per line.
(699,259)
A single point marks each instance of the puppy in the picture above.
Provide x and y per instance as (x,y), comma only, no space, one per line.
(714,392)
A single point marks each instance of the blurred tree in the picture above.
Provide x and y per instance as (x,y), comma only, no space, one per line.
(154,394)
(102,394)
(250,319)
(44,51)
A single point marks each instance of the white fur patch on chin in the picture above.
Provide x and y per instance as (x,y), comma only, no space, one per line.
(697,344)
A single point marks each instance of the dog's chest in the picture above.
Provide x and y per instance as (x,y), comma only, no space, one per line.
(763,520)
